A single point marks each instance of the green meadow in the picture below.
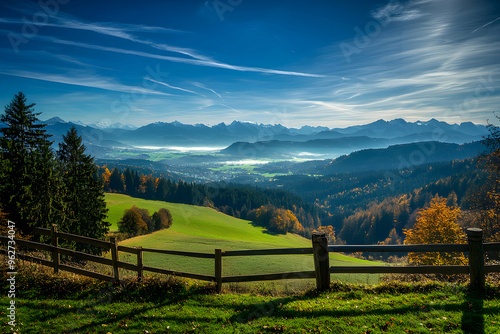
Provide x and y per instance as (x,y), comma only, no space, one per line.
(201,229)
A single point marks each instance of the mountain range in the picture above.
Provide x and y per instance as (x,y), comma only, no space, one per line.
(251,139)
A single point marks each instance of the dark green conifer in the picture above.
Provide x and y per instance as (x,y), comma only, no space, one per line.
(84,194)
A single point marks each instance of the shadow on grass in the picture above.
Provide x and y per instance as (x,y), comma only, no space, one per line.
(266,230)
(473,312)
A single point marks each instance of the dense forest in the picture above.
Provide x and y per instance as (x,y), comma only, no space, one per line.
(365,207)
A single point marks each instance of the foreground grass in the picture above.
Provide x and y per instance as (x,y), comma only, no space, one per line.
(66,304)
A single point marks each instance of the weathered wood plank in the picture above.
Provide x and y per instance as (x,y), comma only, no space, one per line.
(28,243)
(115,258)
(84,240)
(54,240)
(492,268)
(30,258)
(170,252)
(399,248)
(41,231)
(278,251)
(140,264)
(126,249)
(85,256)
(476,258)
(180,274)
(321,260)
(492,247)
(270,277)
(218,270)
(128,266)
(448,270)
(87,273)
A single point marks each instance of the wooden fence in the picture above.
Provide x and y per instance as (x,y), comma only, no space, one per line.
(320,251)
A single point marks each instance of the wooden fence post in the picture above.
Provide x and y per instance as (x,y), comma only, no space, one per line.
(476,258)
(140,269)
(114,258)
(54,240)
(218,270)
(321,260)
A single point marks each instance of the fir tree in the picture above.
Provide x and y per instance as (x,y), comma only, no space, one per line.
(29,188)
(84,194)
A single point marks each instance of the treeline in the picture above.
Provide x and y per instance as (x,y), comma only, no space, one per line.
(40,187)
(235,200)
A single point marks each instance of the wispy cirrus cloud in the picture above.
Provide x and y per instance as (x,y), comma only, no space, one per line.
(197,62)
(120,30)
(170,86)
(200,85)
(81,79)
(396,11)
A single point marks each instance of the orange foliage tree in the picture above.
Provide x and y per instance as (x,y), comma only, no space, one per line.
(277,220)
(329,232)
(436,224)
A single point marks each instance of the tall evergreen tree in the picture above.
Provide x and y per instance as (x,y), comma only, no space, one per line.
(29,187)
(116,183)
(84,194)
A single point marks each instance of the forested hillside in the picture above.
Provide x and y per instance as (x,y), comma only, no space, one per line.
(364,207)
(232,199)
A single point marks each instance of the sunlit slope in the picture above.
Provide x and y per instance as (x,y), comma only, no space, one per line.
(201,229)
(205,225)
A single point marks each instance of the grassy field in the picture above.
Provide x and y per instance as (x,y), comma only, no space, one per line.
(201,229)
(62,304)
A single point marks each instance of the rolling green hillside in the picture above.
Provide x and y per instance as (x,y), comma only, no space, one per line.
(201,229)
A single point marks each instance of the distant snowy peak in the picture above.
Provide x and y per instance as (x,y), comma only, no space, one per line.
(109,125)
(54,120)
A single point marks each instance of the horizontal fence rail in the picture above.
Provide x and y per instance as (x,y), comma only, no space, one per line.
(278,251)
(399,248)
(446,270)
(320,251)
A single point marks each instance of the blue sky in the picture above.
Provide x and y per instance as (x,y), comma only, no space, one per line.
(332,63)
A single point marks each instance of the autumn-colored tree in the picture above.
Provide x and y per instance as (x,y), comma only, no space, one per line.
(436,224)
(392,239)
(162,219)
(276,220)
(105,176)
(329,232)
(132,222)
